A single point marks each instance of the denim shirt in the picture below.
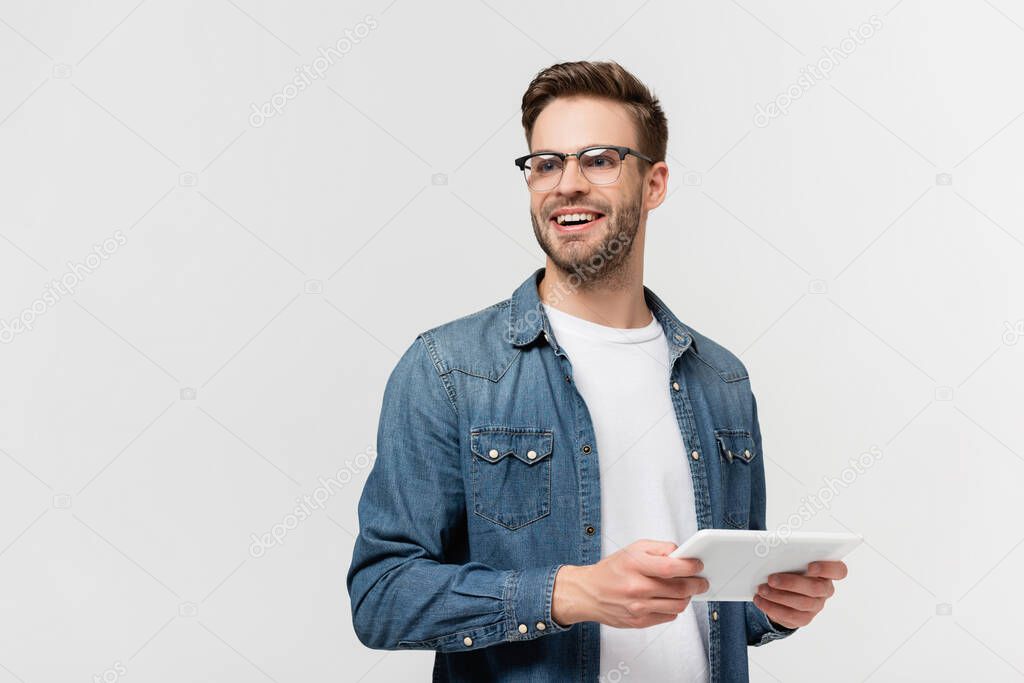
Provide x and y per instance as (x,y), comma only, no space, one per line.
(486,481)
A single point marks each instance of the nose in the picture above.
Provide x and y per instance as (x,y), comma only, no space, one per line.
(572,181)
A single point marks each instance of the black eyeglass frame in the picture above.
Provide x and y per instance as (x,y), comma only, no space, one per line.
(562,156)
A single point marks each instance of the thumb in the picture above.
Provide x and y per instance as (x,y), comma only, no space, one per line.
(652,547)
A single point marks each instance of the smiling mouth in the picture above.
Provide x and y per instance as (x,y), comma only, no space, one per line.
(572,222)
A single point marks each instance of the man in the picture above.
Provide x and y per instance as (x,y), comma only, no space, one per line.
(540,458)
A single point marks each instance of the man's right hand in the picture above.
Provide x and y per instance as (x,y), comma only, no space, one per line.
(636,587)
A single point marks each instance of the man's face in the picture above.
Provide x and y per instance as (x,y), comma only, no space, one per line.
(568,125)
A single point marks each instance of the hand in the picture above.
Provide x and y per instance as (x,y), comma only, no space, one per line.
(636,587)
(793,600)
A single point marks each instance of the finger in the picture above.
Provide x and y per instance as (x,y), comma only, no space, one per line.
(653,547)
(643,550)
(827,569)
(647,587)
(663,567)
(645,558)
(657,618)
(671,589)
(805,585)
(797,601)
(667,606)
(679,587)
(781,614)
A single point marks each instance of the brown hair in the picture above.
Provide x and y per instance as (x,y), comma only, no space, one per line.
(600,79)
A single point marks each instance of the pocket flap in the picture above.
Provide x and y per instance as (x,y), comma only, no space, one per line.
(530,445)
(735,443)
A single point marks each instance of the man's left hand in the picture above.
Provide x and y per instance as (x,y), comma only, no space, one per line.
(793,600)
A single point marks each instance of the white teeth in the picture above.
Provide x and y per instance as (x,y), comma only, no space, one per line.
(575,217)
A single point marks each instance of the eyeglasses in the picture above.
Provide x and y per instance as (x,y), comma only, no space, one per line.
(599,165)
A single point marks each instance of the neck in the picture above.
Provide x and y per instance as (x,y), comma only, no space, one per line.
(615,301)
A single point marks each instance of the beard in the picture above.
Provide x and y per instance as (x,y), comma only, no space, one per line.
(597,258)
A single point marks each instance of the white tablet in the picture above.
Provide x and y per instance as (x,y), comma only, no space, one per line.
(737,561)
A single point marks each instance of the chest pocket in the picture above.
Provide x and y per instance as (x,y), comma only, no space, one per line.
(510,474)
(736,451)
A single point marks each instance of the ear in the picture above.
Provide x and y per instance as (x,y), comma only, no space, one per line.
(655,187)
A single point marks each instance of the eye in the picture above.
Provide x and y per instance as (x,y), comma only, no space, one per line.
(545,164)
(601,159)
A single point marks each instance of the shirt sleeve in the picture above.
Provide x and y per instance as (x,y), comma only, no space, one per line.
(760,629)
(403,593)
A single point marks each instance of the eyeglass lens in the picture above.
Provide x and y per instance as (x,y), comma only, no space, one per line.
(599,166)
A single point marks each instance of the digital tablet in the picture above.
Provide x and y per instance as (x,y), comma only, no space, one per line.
(737,561)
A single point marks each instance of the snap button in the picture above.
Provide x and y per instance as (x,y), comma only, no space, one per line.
(586,448)
(590,530)
(746,454)
(522,628)
(541,626)
(714,615)
(493,453)
(531,455)
(695,455)
(467,641)
(675,385)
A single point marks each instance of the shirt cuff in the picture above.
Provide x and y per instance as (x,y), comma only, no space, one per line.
(779,627)
(767,628)
(528,594)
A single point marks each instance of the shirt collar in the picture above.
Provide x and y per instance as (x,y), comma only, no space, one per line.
(527,319)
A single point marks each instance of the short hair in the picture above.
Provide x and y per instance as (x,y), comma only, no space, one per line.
(600,79)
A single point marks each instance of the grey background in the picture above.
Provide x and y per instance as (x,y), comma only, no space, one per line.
(235,348)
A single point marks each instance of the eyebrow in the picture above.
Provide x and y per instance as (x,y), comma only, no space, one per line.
(594,144)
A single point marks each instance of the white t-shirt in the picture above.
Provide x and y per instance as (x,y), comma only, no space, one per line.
(646,487)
